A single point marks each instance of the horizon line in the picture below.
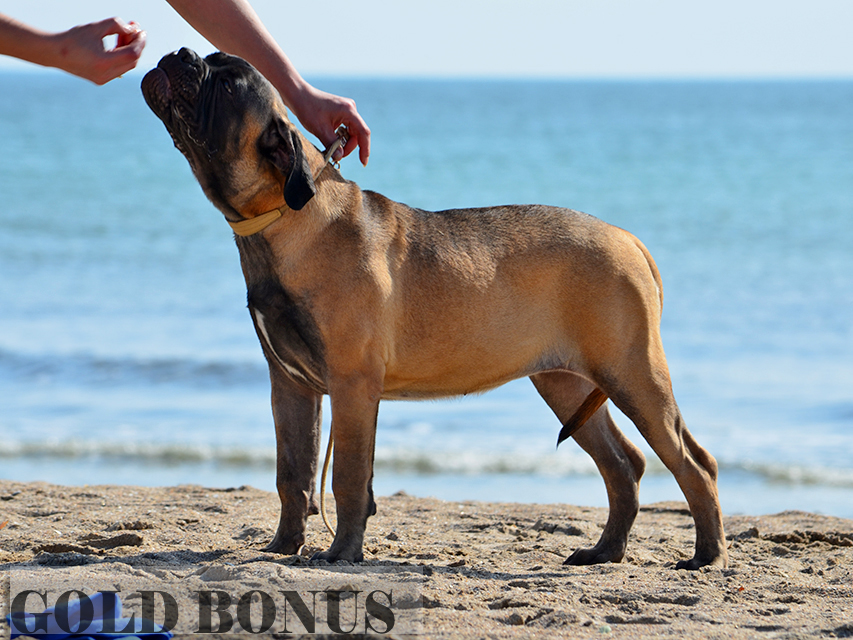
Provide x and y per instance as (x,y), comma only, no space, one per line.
(499,77)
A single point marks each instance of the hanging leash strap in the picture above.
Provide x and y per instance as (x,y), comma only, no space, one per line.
(251,226)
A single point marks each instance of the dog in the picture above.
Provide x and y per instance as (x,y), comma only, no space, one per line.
(366,299)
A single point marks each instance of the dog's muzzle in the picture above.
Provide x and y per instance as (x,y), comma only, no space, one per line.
(173,90)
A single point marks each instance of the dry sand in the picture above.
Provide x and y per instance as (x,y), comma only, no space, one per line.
(483,570)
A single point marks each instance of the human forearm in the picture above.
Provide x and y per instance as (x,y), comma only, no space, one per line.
(79,50)
(234,27)
(24,42)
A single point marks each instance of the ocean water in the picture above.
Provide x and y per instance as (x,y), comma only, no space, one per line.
(127,354)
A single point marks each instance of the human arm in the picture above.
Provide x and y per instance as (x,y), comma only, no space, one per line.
(79,50)
(234,27)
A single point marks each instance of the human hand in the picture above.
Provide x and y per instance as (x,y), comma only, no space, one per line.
(80,50)
(321,113)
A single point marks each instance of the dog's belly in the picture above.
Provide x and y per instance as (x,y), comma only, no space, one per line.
(422,391)
(463,376)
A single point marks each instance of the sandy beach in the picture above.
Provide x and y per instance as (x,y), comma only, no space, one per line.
(479,570)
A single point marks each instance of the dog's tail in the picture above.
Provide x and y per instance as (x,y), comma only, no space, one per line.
(323,481)
(589,406)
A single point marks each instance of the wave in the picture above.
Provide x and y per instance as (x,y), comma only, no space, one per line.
(795,475)
(139,453)
(401,461)
(84,369)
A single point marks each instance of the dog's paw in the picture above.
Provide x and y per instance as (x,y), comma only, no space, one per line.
(286,544)
(331,555)
(599,554)
(719,561)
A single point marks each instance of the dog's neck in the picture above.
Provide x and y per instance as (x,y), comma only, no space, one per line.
(251,226)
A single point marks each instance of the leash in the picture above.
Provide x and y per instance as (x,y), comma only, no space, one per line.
(323,475)
(257,224)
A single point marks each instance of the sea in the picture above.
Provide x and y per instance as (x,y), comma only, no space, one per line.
(127,354)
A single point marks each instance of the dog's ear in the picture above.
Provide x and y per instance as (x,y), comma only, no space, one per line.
(281,146)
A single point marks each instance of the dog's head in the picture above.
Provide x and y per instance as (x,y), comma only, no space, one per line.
(232,127)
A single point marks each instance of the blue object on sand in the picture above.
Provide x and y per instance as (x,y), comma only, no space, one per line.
(96,617)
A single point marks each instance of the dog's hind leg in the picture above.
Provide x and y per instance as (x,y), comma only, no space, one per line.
(622,354)
(620,463)
(297,415)
(640,386)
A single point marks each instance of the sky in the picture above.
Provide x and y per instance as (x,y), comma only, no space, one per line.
(513,38)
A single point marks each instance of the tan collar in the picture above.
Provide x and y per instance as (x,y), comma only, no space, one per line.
(251,226)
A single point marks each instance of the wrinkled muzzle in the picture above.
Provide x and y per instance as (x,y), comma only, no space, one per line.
(173,91)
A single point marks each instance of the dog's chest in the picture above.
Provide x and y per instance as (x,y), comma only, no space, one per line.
(288,334)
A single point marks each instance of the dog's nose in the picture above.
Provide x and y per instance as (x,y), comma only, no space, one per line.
(189,57)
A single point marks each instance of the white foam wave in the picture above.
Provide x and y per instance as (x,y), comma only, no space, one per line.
(397,460)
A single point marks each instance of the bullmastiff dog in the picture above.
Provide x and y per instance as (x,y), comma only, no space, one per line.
(364,299)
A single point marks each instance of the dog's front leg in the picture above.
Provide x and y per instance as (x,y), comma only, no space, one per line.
(355,406)
(297,414)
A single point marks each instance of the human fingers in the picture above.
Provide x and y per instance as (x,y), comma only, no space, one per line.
(130,38)
(117,62)
(357,131)
(108,27)
(129,46)
(358,136)
(129,34)
(132,44)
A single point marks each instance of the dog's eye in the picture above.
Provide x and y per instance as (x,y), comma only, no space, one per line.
(226,84)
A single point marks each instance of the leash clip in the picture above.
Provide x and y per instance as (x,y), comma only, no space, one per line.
(343,138)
